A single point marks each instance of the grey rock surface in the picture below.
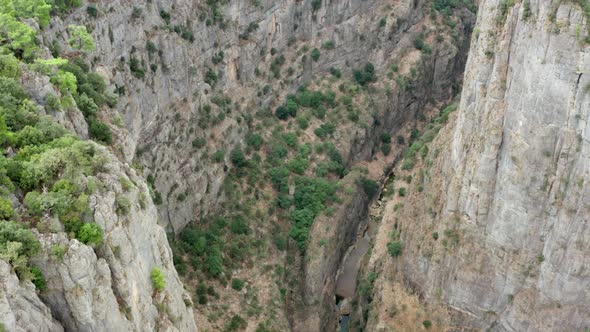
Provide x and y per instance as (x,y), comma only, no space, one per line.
(512,184)
(20,308)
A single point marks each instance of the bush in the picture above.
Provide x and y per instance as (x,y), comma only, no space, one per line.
(158,279)
(92,11)
(199,143)
(427,324)
(123,205)
(58,251)
(38,278)
(101,132)
(6,210)
(365,75)
(218,156)
(315,54)
(17,245)
(235,324)
(137,68)
(238,159)
(335,72)
(90,233)
(254,141)
(395,248)
(237,284)
(402,192)
(370,187)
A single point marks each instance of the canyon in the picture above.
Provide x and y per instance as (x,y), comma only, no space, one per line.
(306,165)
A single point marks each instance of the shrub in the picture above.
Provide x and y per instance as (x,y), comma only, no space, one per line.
(92,11)
(218,156)
(237,284)
(137,68)
(199,143)
(427,324)
(58,251)
(38,278)
(235,324)
(123,205)
(9,66)
(254,141)
(329,45)
(237,158)
(316,5)
(6,210)
(365,75)
(402,192)
(335,72)
(386,148)
(239,226)
(17,245)
(101,132)
(370,187)
(435,236)
(158,279)
(315,54)
(395,248)
(211,77)
(90,233)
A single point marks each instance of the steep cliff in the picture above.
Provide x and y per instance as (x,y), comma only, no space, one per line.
(494,224)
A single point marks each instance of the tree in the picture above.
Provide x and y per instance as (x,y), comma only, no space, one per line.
(80,38)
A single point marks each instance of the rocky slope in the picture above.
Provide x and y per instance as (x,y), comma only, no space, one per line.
(495,228)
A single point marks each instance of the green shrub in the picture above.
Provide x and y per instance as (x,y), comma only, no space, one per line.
(92,11)
(17,245)
(235,324)
(199,142)
(316,5)
(158,279)
(10,66)
(238,158)
(315,54)
(6,210)
(90,233)
(370,187)
(365,75)
(218,156)
(402,192)
(38,278)
(137,67)
(395,248)
(101,132)
(254,141)
(427,324)
(329,45)
(335,72)
(58,251)
(211,77)
(123,205)
(237,284)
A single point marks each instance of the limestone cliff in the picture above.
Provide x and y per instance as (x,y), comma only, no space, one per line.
(496,227)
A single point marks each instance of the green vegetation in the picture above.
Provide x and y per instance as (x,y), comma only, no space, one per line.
(90,234)
(395,246)
(237,284)
(158,279)
(365,75)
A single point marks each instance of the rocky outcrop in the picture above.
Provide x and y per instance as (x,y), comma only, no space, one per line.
(110,288)
(508,193)
(20,307)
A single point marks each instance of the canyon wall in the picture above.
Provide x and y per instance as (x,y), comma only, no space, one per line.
(498,229)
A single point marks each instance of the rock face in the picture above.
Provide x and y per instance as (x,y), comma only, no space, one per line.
(20,307)
(164,112)
(111,289)
(508,193)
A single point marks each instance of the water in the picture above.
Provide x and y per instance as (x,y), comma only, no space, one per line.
(344,323)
